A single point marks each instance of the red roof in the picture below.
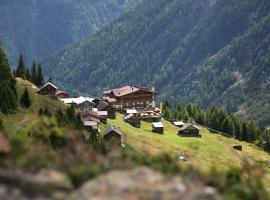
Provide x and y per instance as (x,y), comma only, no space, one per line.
(127,90)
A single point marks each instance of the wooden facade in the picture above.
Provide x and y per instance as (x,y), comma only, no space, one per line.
(157,127)
(112,137)
(133,120)
(104,106)
(189,130)
(131,97)
(62,95)
(47,89)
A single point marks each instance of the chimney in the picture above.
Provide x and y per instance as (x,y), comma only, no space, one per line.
(153,89)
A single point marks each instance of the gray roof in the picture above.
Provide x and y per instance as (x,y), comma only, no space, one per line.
(110,129)
(157,124)
(186,126)
(128,116)
(101,105)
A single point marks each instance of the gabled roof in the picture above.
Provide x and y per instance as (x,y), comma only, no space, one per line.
(110,129)
(60,92)
(89,113)
(101,105)
(129,116)
(109,100)
(157,125)
(118,92)
(187,126)
(47,84)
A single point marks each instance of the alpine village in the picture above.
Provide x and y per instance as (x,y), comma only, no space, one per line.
(135,99)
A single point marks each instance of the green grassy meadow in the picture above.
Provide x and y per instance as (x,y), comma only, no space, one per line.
(212,150)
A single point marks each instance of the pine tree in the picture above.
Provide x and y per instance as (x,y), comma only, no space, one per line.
(27,74)
(25,99)
(8,95)
(21,69)
(228,126)
(34,74)
(40,78)
(244,136)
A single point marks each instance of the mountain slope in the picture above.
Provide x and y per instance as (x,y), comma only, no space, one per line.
(38,29)
(181,48)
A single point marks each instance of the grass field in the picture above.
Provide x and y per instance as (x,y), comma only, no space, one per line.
(212,150)
(24,117)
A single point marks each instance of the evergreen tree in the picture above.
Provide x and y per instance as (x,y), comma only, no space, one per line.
(25,99)
(40,78)
(34,74)
(21,69)
(27,74)
(244,136)
(8,95)
(252,130)
(228,126)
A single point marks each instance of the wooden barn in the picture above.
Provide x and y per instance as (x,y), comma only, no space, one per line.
(103,115)
(104,106)
(157,127)
(62,94)
(113,136)
(131,97)
(89,115)
(133,120)
(47,89)
(90,125)
(189,130)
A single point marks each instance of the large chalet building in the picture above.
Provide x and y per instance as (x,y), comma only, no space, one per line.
(131,97)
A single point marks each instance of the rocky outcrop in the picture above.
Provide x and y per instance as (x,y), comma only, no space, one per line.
(44,185)
(143,183)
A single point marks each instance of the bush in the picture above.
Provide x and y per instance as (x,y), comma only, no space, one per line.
(78,174)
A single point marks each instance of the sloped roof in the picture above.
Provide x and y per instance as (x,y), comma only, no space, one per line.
(101,105)
(129,116)
(46,84)
(110,129)
(127,90)
(158,124)
(89,113)
(187,126)
(109,100)
(61,92)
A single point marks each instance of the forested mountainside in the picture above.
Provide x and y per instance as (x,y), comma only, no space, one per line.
(207,51)
(40,28)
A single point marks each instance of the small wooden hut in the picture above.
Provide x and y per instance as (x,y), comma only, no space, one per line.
(189,130)
(157,127)
(113,136)
(133,120)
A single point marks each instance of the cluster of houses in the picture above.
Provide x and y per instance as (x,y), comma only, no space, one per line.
(136,103)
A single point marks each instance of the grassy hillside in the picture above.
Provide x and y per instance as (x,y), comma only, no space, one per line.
(23,117)
(212,150)
(200,51)
(41,28)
